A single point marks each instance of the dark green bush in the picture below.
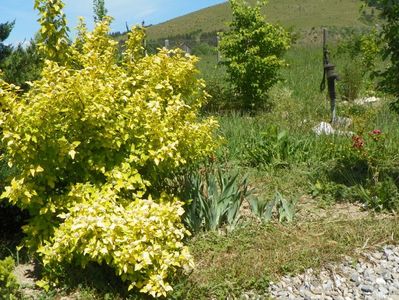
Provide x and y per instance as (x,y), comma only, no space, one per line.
(22,65)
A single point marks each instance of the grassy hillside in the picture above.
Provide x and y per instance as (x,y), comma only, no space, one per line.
(302,15)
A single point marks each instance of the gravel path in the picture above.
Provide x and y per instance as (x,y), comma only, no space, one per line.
(374,276)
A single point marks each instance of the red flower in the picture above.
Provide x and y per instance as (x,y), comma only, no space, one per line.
(376,132)
(358,142)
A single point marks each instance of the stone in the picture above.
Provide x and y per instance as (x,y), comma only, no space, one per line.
(328,285)
(383,290)
(323,128)
(376,276)
(387,276)
(377,255)
(343,122)
(367,100)
(380,281)
(368,272)
(388,252)
(316,290)
(355,278)
(366,288)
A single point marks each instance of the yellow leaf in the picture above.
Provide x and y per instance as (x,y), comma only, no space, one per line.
(72,154)
(43,284)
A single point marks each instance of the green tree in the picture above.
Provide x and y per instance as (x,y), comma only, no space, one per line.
(252,51)
(5,30)
(22,65)
(389,13)
(99,10)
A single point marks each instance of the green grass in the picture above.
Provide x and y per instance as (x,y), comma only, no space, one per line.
(300,15)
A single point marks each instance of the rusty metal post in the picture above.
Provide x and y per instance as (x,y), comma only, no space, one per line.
(331,76)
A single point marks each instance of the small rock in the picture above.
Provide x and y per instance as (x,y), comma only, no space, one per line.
(328,285)
(380,281)
(355,278)
(309,295)
(337,282)
(282,294)
(368,272)
(316,291)
(383,290)
(377,255)
(343,122)
(367,100)
(323,128)
(388,252)
(366,288)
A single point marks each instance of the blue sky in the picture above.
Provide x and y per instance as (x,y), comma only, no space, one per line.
(130,11)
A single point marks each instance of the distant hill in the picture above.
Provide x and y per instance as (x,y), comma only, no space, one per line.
(301,15)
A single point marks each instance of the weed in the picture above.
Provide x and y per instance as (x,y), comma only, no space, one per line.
(264,209)
(351,81)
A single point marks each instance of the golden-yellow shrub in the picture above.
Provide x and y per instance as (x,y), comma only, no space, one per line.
(96,136)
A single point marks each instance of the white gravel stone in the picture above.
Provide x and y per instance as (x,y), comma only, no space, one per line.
(375,277)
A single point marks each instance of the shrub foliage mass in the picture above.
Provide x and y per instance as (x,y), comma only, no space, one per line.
(90,145)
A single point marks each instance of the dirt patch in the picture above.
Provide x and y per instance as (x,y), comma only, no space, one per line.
(27,276)
(309,209)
